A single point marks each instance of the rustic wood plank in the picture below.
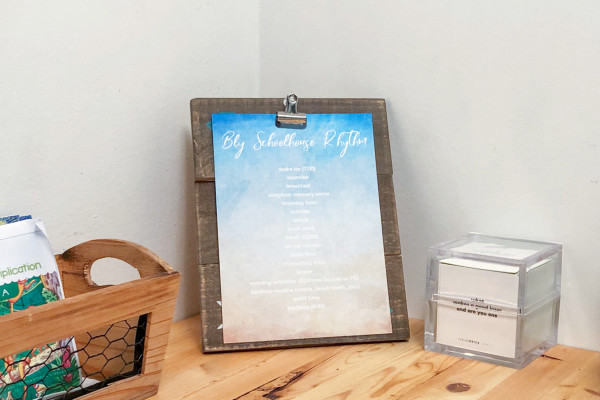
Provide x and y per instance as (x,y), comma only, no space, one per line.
(212,316)
(357,367)
(487,381)
(201,110)
(547,373)
(470,379)
(397,296)
(583,382)
(272,389)
(377,383)
(399,370)
(389,215)
(224,375)
(206,217)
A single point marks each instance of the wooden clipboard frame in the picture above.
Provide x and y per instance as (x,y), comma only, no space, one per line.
(208,249)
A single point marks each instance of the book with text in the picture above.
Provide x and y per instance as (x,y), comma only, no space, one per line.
(29,277)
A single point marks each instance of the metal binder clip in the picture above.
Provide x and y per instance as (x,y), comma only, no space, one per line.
(290,118)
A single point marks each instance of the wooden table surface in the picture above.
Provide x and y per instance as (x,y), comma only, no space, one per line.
(367,371)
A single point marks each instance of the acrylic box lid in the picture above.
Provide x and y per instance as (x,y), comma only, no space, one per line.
(496,249)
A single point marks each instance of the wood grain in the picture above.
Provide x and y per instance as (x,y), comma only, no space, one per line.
(397,370)
(206,217)
(583,381)
(75,263)
(397,296)
(210,306)
(548,375)
(208,249)
(389,216)
(135,388)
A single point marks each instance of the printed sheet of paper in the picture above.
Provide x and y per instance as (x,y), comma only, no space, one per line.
(299,228)
(483,321)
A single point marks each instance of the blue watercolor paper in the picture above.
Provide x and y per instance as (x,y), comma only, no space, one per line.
(299,228)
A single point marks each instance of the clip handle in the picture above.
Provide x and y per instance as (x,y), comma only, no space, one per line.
(290,118)
(291,103)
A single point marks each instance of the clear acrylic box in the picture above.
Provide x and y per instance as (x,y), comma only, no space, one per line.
(493,299)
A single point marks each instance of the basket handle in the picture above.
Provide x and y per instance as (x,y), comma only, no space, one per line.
(75,263)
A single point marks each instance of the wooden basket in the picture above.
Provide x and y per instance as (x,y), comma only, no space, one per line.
(89,309)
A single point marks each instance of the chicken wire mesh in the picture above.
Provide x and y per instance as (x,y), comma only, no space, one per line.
(75,366)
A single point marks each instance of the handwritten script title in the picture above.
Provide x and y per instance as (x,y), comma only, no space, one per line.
(342,140)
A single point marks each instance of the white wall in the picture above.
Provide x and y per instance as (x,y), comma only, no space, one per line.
(94,115)
(493,116)
(491,107)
